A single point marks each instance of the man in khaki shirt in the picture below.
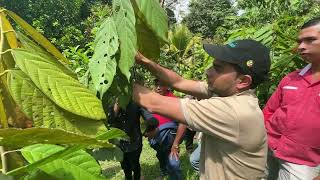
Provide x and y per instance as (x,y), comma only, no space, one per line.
(234,142)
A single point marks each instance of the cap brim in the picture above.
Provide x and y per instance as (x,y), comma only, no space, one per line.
(221,53)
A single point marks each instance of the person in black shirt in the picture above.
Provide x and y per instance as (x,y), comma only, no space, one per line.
(128,120)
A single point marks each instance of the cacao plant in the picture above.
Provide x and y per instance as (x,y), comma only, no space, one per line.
(39,92)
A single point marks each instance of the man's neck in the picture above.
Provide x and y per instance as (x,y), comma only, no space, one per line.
(315,71)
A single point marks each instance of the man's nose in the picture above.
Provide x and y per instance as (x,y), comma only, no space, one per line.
(301,47)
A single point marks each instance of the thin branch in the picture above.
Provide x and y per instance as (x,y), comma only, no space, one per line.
(8,50)
(4,72)
(3,160)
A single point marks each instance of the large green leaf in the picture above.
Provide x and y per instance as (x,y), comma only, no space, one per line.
(8,30)
(39,38)
(7,35)
(62,89)
(13,137)
(120,89)
(148,43)
(34,48)
(43,111)
(151,13)
(77,165)
(110,134)
(125,23)
(8,40)
(103,64)
(33,166)
(37,174)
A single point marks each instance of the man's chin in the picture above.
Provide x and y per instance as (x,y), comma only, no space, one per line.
(311,59)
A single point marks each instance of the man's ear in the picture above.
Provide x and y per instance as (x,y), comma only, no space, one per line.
(245,82)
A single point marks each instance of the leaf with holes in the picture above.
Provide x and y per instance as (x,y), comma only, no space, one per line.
(62,89)
(103,64)
(43,112)
(151,13)
(121,89)
(77,165)
(125,22)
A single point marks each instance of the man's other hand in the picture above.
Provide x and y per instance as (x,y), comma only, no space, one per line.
(140,59)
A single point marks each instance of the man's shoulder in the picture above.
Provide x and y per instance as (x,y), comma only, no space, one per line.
(294,75)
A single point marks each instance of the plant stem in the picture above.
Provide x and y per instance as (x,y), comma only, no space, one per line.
(3,160)
(4,72)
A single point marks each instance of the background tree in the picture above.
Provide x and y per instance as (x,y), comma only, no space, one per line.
(207,15)
(275,23)
(64,22)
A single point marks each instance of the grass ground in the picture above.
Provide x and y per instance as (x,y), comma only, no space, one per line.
(149,165)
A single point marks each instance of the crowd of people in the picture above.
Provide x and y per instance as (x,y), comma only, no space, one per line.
(239,140)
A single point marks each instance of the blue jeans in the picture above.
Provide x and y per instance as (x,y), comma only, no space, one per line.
(162,144)
(195,158)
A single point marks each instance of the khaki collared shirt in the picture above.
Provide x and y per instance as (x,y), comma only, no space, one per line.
(234,143)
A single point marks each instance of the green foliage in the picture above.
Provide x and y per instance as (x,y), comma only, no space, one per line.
(275,24)
(43,112)
(51,17)
(32,47)
(185,54)
(49,94)
(77,165)
(151,13)
(143,21)
(113,133)
(103,63)
(13,137)
(62,89)
(148,43)
(207,15)
(125,23)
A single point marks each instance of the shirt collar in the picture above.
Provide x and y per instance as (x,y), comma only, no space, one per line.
(249,91)
(305,70)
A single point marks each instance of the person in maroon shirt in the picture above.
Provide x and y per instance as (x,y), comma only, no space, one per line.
(292,114)
(167,144)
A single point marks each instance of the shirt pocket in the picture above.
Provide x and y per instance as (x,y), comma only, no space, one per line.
(290,95)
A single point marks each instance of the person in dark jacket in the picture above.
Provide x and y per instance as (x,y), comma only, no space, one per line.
(128,120)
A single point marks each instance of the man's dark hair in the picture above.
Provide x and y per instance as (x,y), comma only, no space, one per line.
(311,22)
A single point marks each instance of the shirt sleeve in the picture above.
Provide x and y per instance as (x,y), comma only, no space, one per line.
(204,89)
(214,116)
(273,103)
(146,115)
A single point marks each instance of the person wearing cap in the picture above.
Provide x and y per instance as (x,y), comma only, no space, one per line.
(234,143)
(292,114)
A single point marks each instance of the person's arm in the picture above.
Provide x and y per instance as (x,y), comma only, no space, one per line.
(273,104)
(146,115)
(155,103)
(177,140)
(171,78)
(113,113)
